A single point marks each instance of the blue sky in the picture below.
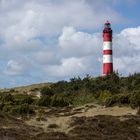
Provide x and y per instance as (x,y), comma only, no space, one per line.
(129,10)
(51,40)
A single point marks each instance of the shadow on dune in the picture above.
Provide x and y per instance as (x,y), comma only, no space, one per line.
(81,128)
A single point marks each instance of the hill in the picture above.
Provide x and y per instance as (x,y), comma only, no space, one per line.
(99,108)
(33,87)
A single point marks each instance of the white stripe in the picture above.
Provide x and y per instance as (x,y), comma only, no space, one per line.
(107,59)
(107,45)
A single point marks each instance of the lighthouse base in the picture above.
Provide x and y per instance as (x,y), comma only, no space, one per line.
(107,69)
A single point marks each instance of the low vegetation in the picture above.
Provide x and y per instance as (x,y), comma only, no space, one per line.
(109,91)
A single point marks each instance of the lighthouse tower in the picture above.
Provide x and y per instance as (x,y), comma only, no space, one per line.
(107,49)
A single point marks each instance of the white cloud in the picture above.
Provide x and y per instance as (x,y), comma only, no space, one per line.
(127,65)
(80,53)
(127,50)
(30,18)
(47,57)
(16,67)
(78,44)
(68,67)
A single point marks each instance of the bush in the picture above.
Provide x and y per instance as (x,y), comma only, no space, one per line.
(23,99)
(123,99)
(111,101)
(23,109)
(12,90)
(46,91)
(117,99)
(104,95)
(7,98)
(44,101)
(83,98)
(135,99)
(27,100)
(7,108)
(60,100)
(1,105)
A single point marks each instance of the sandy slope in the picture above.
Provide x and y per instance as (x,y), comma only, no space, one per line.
(63,117)
(87,122)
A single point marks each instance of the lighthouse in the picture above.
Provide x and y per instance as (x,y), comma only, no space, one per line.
(107,49)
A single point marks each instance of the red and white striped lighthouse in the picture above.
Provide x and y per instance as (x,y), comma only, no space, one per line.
(107,49)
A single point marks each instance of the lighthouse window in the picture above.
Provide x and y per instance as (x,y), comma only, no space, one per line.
(107,26)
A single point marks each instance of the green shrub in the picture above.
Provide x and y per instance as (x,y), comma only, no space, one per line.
(83,98)
(135,99)
(23,109)
(60,100)
(1,105)
(7,108)
(12,90)
(117,99)
(104,95)
(46,91)
(111,101)
(123,99)
(44,101)
(23,99)
(27,100)
(7,98)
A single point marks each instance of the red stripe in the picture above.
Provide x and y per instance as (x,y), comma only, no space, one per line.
(107,37)
(106,52)
(107,68)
